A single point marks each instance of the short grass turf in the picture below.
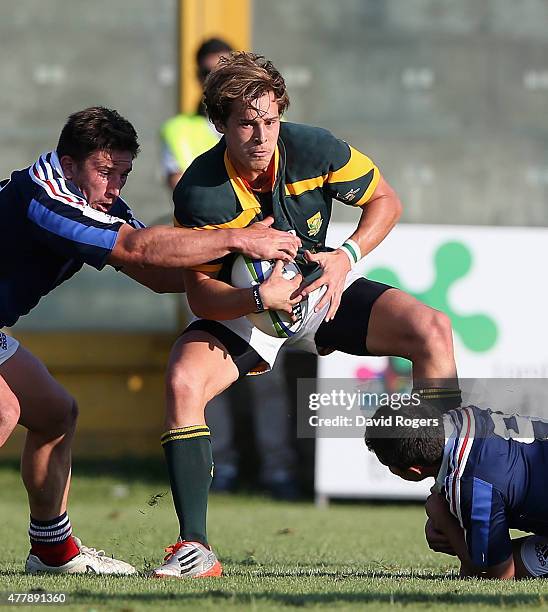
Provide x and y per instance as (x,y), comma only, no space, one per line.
(276,556)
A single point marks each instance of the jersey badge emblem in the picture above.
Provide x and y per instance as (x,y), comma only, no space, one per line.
(314,224)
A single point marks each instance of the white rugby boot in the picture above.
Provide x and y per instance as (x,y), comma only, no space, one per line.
(188,560)
(88,561)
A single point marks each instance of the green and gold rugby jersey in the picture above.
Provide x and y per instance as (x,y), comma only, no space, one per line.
(311,168)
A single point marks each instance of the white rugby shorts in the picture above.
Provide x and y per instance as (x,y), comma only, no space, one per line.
(269,346)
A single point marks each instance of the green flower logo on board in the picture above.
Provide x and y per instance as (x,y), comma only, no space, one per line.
(453,260)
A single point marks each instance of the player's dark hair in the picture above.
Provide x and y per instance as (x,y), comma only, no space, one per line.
(96,129)
(402,445)
(242,76)
(212,46)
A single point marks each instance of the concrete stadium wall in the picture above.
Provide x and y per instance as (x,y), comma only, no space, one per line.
(448,96)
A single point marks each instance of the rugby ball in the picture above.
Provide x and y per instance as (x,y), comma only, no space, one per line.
(247,272)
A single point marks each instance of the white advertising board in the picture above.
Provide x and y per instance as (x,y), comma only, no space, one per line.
(491,282)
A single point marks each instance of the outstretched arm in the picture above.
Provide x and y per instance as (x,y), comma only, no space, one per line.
(162,246)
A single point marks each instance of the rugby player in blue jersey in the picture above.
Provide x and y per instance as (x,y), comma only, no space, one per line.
(60,213)
(295,172)
(490,476)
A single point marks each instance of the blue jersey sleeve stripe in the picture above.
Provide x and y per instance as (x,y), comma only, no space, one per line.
(482,496)
(136,223)
(69,229)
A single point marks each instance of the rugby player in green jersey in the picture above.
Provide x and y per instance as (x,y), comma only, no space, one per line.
(293,172)
(60,213)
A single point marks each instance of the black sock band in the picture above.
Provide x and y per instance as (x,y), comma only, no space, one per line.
(190,467)
(440,398)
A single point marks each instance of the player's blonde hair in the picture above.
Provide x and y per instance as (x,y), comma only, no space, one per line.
(242,76)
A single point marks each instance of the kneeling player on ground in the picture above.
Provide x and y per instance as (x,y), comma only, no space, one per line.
(490,471)
(260,167)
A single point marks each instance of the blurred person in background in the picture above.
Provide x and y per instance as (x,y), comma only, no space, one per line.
(263,166)
(187,135)
(490,477)
(58,214)
(184,137)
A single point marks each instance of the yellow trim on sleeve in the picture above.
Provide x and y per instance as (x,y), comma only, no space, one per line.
(357,166)
(369,191)
(296,189)
(242,220)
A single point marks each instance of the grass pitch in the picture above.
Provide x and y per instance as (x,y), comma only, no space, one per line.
(276,556)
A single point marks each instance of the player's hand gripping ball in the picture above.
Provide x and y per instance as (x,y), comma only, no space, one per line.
(247,272)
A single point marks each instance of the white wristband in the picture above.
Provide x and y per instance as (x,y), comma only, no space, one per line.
(352,250)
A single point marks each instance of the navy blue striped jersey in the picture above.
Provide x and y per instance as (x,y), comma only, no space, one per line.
(48,232)
(493,475)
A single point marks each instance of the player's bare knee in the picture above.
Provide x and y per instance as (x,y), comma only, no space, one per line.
(9,417)
(432,333)
(10,413)
(67,415)
(63,419)
(184,388)
(72,414)
(441,331)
